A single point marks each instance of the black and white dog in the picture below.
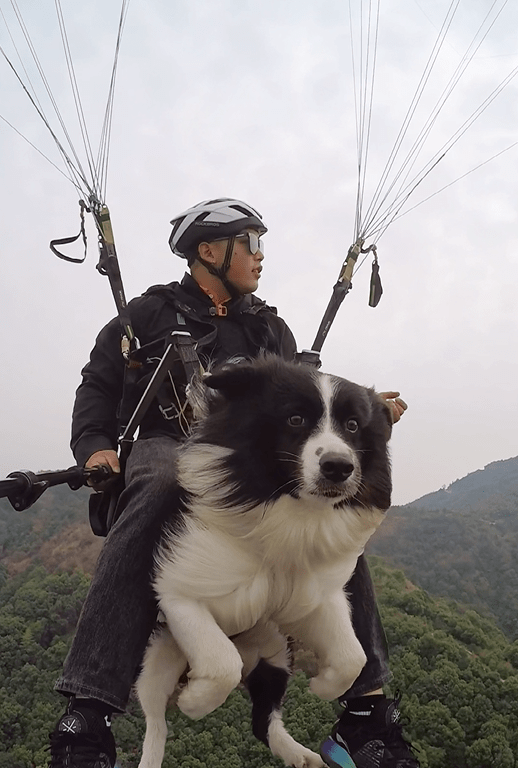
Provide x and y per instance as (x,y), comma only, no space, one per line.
(286,477)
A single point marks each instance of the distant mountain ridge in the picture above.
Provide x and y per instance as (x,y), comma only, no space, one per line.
(496,484)
(459,542)
(462,542)
(55,532)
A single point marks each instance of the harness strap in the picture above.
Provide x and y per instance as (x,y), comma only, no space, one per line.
(186,348)
(67,240)
(104,509)
(376,289)
(181,344)
(109,265)
(340,290)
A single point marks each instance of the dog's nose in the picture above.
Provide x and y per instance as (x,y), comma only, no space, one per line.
(335,467)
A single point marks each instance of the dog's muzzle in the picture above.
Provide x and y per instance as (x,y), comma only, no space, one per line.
(335,467)
(337,475)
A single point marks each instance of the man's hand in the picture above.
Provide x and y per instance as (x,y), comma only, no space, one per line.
(108,459)
(396,404)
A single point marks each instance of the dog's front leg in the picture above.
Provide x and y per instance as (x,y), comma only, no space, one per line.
(328,631)
(215,663)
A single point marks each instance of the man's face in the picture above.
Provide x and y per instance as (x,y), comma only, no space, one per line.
(245,267)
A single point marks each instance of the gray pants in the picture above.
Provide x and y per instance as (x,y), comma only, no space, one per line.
(120,610)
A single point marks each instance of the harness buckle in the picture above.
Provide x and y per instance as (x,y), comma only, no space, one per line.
(220,310)
(169,412)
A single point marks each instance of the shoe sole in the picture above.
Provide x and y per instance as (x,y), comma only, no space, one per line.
(335,756)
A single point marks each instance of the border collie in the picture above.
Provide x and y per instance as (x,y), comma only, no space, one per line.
(286,477)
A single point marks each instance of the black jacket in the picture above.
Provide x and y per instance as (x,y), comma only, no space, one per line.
(249,328)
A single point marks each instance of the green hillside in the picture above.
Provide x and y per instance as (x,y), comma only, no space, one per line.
(56,509)
(458,672)
(459,542)
(54,532)
(457,669)
(462,542)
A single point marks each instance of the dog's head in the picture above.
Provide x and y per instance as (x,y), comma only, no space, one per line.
(292,430)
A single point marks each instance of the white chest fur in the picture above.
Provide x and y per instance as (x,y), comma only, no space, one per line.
(280,564)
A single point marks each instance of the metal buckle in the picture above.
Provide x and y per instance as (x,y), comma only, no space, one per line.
(169,409)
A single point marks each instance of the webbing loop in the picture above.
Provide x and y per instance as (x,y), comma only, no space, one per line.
(67,240)
(108,265)
(376,288)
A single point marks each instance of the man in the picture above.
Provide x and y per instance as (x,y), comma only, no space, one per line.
(221,241)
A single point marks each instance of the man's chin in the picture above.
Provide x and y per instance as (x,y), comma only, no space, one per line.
(248,288)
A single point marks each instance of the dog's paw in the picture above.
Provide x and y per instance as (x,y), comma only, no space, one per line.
(290,751)
(203,695)
(308,759)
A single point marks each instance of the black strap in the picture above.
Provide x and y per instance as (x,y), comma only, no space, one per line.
(104,511)
(67,240)
(342,287)
(181,344)
(109,265)
(186,348)
(376,289)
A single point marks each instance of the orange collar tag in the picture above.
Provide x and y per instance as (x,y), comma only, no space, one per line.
(221,309)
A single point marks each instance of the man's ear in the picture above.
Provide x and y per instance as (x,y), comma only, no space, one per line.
(206,253)
(234,381)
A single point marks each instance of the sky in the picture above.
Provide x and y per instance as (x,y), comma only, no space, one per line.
(256,100)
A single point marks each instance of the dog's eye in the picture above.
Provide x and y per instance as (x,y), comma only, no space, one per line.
(296,420)
(352,425)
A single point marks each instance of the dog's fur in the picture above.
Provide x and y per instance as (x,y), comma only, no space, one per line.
(286,477)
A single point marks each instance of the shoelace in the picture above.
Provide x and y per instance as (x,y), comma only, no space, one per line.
(85,749)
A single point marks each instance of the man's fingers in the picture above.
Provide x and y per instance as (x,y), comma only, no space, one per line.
(104,458)
(396,404)
(389,395)
(107,459)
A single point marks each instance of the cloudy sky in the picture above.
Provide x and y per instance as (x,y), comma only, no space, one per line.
(255,99)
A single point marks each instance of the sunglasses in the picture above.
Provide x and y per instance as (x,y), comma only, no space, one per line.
(254,241)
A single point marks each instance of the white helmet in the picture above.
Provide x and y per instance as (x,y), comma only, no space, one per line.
(211,220)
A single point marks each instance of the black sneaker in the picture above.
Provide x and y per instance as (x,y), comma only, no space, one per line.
(369,735)
(82,739)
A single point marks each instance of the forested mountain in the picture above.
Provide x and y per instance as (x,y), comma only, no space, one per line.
(459,542)
(57,508)
(54,531)
(462,542)
(458,672)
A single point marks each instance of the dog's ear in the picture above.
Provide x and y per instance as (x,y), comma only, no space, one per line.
(234,381)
